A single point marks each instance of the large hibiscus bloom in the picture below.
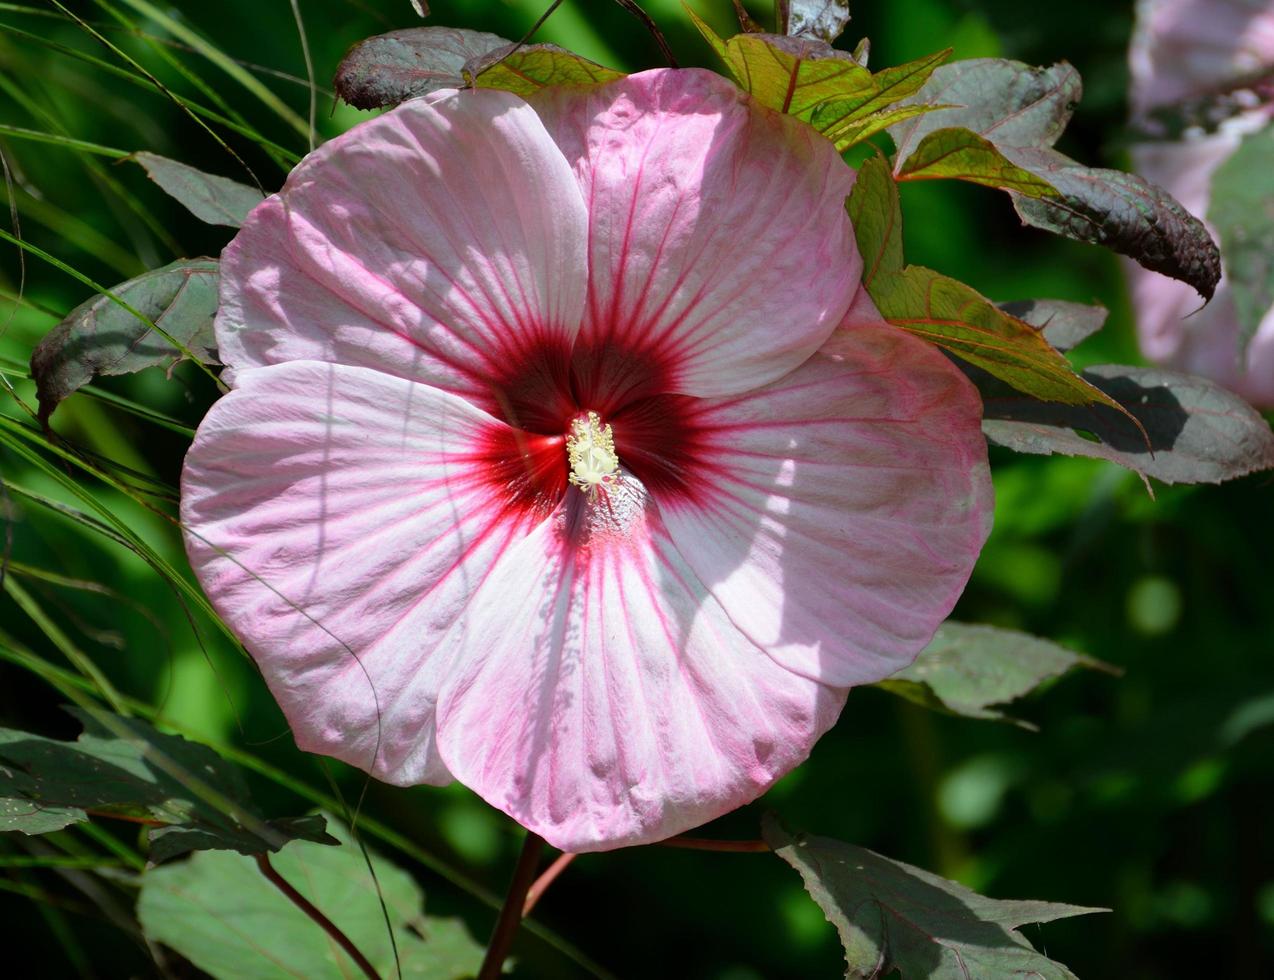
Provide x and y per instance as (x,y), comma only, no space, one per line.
(565,457)
(1185,50)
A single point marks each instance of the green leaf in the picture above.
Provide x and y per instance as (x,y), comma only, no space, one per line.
(1007,102)
(218,911)
(390,68)
(876,215)
(957,318)
(1124,213)
(790,74)
(1189,429)
(525,70)
(1064,324)
(966,669)
(216,200)
(964,155)
(892,916)
(1241,209)
(849,120)
(824,20)
(99,337)
(123,767)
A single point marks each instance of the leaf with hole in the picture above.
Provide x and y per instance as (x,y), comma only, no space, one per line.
(390,68)
(216,200)
(123,767)
(261,934)
(966,670)
(895,917)
(100,337)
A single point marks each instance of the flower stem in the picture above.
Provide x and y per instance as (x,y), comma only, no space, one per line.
(543,881)
(506,925)
(327,925)
(709,844)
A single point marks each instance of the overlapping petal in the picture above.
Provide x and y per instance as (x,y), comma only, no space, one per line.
(713,224)
(838,512)
(339,519)
(433,243)
(601,696)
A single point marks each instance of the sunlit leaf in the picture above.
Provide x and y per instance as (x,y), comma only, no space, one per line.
(1241,209)
(216,200)
(124,767)
(957,318)
(528,69)
(895,917)
(389,68)
(962,154)
(99,337)
(821,19)
(790,74)
(218,911)
(966,669)
(1192,429)
(876,214)
(845,120)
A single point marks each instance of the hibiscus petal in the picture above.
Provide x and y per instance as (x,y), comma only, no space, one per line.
(837,514)
(339,518)
(602,698)
(717,229)
(432,242)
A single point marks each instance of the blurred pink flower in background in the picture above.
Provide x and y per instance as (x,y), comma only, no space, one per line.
(557,463)
(1185,50)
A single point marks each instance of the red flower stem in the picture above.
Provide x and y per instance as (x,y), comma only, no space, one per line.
(127,818)
(708,844)
(326,924)
(543,881)
(506,926)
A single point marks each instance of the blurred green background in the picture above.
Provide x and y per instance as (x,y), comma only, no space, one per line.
(1152,794)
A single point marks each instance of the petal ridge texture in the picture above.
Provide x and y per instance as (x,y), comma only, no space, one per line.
(380,508)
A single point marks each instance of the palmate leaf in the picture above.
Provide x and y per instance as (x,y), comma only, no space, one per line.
(1241,208)
(390,68)
(216,200)
(829,89)
(895,917)
(122,766)
(218,911)
(527,69)
(966,670)
(1018,112)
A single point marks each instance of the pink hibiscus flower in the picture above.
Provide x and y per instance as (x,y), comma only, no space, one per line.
(1184,50)
(546,467)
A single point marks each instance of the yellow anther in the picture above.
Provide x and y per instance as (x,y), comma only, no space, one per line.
(591,450)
